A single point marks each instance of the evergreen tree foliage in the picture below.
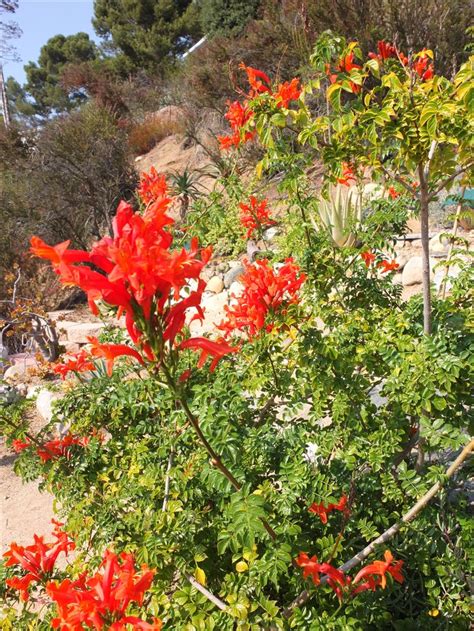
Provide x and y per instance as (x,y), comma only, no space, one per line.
(227,17)
(43,83)
(147,34)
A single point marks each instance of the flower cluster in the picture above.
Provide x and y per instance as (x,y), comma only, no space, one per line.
(266,292)
(140,274)
(388,51)
(345,65)
(152,186)
(374,574)
(101,600)
(348,177)
(239,114)
(75,362)
(54,448)
(423,66)
(37,560)
(255,216)
(385,265)
(322,510)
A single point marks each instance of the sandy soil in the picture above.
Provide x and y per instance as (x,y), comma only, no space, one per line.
(24,511)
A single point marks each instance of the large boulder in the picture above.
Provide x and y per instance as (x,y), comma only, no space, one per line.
(44,403)
(413,271)
(213,305)
(80,332)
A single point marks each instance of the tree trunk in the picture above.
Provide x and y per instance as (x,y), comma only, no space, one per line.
(425,244)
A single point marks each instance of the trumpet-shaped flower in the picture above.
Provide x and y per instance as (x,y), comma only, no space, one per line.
(255,215)
(209,348)
(322,511)
(267,292)
(37,560)
(103,598)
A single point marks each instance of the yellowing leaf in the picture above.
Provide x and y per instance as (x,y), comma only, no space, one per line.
(241,566)
(200,575)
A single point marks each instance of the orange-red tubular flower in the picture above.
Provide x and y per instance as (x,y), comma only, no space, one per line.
(267,292)
(287,92)
(209,348)
(37,560)
(137,271)
(368,257)
(388,266)
(322,511)
(423,66)
(101,601)
(59,253)
(110,352)
(255,215)
(58,447)
(348,177)
(152,186)
(375,573)
(258,80)
(78,362)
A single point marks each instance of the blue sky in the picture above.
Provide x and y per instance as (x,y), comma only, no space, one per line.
(40,20)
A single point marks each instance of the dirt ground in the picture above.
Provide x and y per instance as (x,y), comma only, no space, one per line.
(24,511)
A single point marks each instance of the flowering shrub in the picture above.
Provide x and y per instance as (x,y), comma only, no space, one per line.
(320,428)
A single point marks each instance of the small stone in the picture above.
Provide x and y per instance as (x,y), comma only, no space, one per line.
(233,274)
(71,347)
(215,285)
(213,305)
(33,391)
(397,279)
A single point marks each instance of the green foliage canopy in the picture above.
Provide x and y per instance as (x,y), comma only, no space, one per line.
(43,82)
(226,17)
(148,34)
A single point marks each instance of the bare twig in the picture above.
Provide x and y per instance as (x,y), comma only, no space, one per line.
(205,592)
(167,481)
(444,282)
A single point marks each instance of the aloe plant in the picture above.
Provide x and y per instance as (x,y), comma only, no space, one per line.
(340,213)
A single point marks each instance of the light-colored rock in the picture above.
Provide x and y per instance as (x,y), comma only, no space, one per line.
(61,314)
(215,285)
(397,279)
(33,391)
(270,233)
(439,244)
(440,274)
(402,259)
(412,272)
(213,305)
(44,403)
(416,243)
(80,332)
(236,289)
(233,274)
(15,373)
(71,347)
